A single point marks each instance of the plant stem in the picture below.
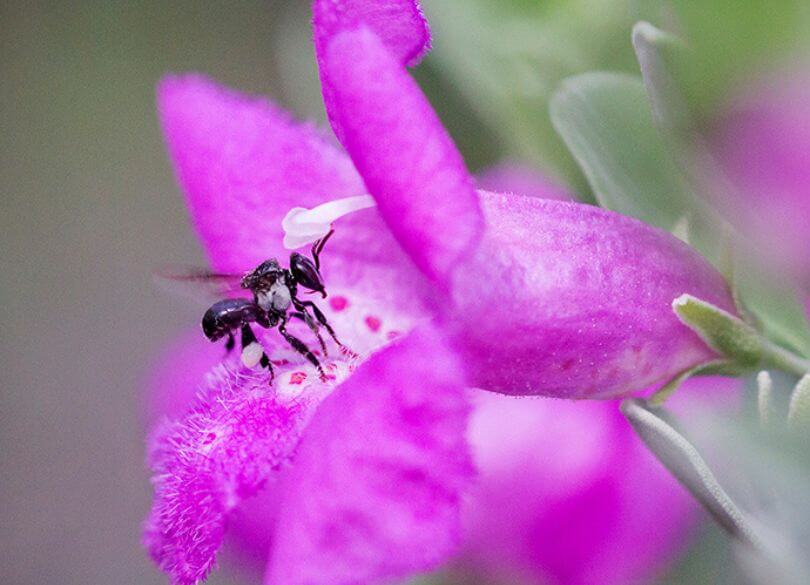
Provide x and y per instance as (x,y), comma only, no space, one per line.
(782,359)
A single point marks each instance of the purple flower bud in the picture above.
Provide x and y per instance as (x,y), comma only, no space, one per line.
(573,301)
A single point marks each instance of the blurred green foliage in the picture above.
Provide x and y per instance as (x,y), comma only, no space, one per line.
(644,155)
(507,58)
(606,122)
(732,40)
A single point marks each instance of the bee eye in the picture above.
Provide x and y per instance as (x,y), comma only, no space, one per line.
(305,273)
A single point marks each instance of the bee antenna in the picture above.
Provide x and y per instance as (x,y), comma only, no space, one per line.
(317,248)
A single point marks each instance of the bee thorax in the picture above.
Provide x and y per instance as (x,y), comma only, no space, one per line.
(276,298)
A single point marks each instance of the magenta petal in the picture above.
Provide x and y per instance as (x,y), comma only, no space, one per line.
(240,434)
(364,323)
(175,382)
(400,25)
(375,492)
(243,164)
(569,300)
(406,158)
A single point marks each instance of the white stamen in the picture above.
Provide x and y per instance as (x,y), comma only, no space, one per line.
(251,354)
(303,226)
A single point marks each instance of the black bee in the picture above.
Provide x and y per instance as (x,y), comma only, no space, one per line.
(274,292)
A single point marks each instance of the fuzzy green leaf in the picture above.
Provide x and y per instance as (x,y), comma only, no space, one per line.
(722,331)
(606,122)
(659,56)
(686,464)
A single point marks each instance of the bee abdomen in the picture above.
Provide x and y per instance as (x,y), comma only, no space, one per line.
(228,315)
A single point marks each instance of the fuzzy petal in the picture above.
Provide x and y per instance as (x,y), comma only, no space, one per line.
(240,434)
(176,380)
(568,300)
(243,164)
(375,492)
(406,158)
(364,323)
(400,25)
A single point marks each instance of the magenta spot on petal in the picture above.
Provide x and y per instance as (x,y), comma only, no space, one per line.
(394,334)
(338,303)
(209,438)
(281,362)
(298,378)
(373,323)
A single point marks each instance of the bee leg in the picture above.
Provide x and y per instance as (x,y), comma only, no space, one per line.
(301,348)
(265,363)
(252,351)
(313,326)
(231,343)
(325,324)
(317,248)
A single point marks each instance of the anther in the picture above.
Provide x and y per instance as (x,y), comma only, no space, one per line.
(303,226)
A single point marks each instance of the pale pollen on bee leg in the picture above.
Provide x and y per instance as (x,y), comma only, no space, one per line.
(252,354)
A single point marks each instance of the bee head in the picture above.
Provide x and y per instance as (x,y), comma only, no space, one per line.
(263,276)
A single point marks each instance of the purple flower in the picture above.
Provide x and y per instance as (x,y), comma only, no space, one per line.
(764,143)
(437,288)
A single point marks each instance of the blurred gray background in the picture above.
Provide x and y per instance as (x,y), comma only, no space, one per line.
(89,207)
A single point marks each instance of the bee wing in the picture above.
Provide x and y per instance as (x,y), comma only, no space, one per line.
(197,283)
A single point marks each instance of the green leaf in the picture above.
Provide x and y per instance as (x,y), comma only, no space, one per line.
(685,462)
(507,57)
(768,475)
(663,59)
(606,122)
(659,54)
(722,331)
